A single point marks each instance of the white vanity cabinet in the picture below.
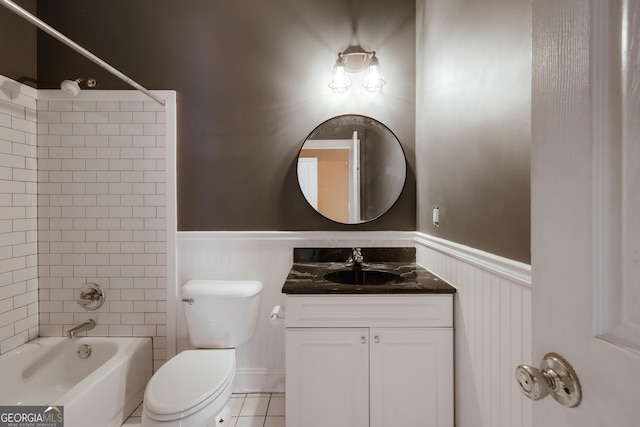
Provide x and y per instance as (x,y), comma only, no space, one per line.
(375,360)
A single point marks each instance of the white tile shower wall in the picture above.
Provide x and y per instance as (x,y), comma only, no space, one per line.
(267,257)
(18,210)
(492,331)
(102,216)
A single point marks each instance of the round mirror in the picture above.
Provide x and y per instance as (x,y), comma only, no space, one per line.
(351,169)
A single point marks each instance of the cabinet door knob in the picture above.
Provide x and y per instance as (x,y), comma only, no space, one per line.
(376,339)
(363,340)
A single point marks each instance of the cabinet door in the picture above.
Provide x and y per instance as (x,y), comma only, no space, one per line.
(411,377)
(327,377)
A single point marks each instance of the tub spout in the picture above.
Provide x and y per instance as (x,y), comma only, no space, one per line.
(89,324)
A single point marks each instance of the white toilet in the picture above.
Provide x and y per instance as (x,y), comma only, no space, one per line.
(192,389)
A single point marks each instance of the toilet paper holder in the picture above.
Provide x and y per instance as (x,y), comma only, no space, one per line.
(277,314)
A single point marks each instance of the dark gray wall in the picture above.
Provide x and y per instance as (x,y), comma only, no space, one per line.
(18,45)
(240,130)
(251,78)
(473,123)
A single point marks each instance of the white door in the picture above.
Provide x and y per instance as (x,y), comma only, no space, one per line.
(308,179)
(586,205)
(353,147)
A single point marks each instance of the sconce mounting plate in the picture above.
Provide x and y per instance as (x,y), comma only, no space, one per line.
(356,59)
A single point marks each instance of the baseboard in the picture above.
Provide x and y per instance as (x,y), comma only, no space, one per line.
(259,381)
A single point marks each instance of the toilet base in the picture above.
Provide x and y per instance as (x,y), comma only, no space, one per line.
(223,419)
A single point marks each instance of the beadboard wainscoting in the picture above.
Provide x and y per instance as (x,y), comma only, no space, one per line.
(267,257)
(492,330)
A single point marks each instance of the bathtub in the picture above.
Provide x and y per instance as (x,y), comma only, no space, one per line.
(101,390)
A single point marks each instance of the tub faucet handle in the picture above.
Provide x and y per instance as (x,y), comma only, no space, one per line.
(91,296)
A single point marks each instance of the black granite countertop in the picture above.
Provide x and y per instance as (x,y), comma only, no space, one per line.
(311,265)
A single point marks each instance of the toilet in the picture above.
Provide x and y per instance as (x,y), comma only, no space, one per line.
(192,389)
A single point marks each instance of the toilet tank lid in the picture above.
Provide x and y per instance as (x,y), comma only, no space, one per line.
(220,288)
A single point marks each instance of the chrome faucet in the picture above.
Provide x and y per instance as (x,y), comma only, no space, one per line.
(356,258)
(89,324)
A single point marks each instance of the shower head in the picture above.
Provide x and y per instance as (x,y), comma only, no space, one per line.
(72,87)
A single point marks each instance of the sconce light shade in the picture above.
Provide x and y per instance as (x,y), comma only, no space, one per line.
(340,81)
(373,80)
(354,60)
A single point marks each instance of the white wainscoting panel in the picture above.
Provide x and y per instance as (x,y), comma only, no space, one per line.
(265,256)
(492,321)
(492,310)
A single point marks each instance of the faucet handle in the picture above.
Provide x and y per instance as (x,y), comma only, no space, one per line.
(91,296)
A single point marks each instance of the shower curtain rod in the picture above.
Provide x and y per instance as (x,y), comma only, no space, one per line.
(75,46)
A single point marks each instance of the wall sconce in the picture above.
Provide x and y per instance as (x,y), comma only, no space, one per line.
(354,60)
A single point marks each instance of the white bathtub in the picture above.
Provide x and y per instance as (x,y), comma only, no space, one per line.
(99,391)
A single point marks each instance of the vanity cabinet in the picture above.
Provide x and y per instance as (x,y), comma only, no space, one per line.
(369,361)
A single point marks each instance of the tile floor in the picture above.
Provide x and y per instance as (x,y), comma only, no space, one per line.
(247,410)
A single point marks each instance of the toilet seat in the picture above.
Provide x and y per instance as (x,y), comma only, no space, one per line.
(189,382)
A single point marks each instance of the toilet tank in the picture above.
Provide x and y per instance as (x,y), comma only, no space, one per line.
(221,313)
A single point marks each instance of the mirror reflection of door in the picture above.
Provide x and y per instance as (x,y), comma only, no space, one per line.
(308,179)
(337,176)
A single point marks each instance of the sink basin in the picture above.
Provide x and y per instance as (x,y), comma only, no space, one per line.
(362,277)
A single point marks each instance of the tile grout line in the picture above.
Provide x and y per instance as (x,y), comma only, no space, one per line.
(134,420)
(267,413)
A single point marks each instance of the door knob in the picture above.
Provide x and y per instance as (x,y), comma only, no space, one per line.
(555,377)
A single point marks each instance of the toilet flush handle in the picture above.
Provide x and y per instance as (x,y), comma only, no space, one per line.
(188,300)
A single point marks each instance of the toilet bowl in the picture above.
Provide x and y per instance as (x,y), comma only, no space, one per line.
(192,389)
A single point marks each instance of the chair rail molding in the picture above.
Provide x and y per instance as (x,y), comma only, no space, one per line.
(515,271)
